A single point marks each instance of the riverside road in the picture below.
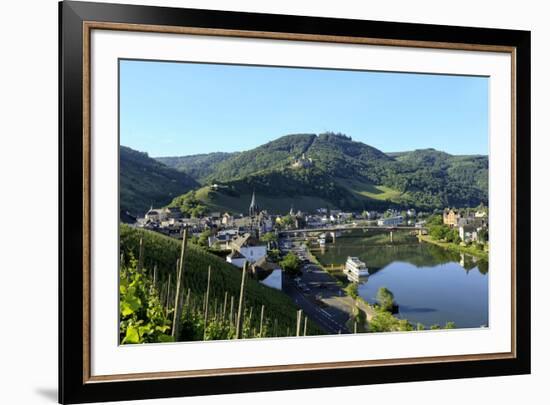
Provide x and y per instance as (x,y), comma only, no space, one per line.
(317,287)
(319,295)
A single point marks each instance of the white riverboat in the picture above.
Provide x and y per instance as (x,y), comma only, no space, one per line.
(355,268)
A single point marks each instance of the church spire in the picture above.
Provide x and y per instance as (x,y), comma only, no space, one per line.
(253,210)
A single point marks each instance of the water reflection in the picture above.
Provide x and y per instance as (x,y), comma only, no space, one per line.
(430,284)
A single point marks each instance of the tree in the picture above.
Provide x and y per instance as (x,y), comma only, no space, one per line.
(269,238)
(438,232)
(290,263)
(274,255)
(383,321)
(483,235)
(385,299)
(352,290)
(203,238)
(434,220)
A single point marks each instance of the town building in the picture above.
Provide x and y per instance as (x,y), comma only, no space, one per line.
(253,210)
(236,259)
(468,233)
(227,219)
(391,221)
(268,273)
(302,162)
(451,217)
(249,247)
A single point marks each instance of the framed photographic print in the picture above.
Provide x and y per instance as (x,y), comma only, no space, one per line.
(255,202)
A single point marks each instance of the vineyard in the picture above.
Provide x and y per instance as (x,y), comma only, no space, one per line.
(162,278)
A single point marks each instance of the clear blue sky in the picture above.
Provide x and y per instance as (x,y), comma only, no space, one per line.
(177,109)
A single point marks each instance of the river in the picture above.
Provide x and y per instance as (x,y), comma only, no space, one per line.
(430,284)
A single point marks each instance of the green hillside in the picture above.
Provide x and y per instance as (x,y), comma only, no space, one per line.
(164,251)
(145,182)
(332,154)
(237,202)
(199,166)
(332,170)
(339,172)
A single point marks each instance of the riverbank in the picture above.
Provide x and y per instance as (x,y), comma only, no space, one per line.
(335,272)
(366,316)
(456,248)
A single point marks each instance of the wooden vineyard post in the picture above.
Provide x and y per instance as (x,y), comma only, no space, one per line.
(187,300)
(168,293)
(140,257)
(241,300)
(231,317)
(179,288)
(224,306)
(261,320)
(298,322)
(206,308)
(250,322)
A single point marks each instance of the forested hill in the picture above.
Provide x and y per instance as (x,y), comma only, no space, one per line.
(145,182)
(197,166)
(332,170)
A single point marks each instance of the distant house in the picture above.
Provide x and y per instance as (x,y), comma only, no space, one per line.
(268,274)
(162,214)
(451,217)
(476,222)
(480,214)
(236,259)
(302,162)
(468,233)
(156,214)
(313,221)
(420,224)
(371,214)
(346,215)
(249,247)
(227,219)
(391,221)
(232,232)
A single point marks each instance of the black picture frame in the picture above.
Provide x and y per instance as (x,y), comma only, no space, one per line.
(73,387)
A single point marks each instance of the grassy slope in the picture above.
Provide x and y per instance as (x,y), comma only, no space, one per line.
(219,201)
(371,191)
(163,251)
(362,191)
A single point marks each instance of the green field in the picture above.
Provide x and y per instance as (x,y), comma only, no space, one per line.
(220,201)
(375,192)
